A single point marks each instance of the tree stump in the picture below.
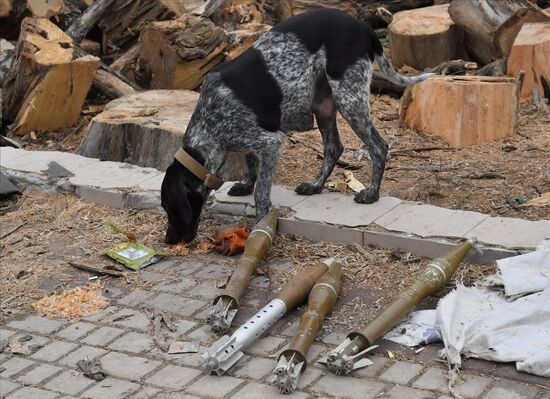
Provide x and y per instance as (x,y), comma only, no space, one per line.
(45,88)
(177,54)
(127,18)
(491,26)
(462,110)
(145,129)
(45,8)
(531,53)
(424,38)
(349,6)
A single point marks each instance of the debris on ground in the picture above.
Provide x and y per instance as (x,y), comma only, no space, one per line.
(134,255)
(92,369)
(183,347)
(73,304)
(196,247)
(231,242)
(160,318)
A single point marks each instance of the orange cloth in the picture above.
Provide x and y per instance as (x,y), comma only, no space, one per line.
(232,242)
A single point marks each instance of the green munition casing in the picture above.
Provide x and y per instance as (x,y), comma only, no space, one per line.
(258,243)
(433,278)
(227,351)
(292,362)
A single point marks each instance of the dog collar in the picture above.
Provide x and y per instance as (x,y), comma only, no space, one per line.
(210,180)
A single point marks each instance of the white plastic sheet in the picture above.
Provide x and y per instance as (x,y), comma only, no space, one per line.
(526,273)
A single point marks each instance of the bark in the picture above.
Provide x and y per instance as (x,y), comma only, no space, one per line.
(82,25)
(45,63)
(449,107)
(126,63)
(491,26)
(177,54)
(424,38)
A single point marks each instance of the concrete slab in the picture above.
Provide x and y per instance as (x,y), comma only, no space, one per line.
(280,197)
(110,175)
(6,186)
(38,161)
(152,184)
(9,153)
(430,221)
(511,233)
(315,231)
(339,209)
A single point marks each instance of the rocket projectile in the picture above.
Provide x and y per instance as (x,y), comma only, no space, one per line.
(292,361)
(348,355)
(258,243)
(224,353)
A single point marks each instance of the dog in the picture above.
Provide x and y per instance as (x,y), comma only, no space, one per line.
(311,65)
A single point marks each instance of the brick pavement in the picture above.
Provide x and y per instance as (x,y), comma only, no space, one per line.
(120,338)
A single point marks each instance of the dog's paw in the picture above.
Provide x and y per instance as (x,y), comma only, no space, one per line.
(367,196)
(308,189)
(241,189)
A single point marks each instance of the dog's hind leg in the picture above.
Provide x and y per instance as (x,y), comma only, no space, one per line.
(268,151)
(351,93)
(246,186)
(324,109)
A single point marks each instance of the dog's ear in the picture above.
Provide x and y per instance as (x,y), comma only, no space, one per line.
(184,205)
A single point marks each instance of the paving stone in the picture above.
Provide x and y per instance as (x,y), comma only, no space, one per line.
(378,363)
(110,198)
(112,292)
(54,351)
(265,346)
(182,327)
(130,318)
(110,388)
(315,231)
(511,233)
(349,387)
(507,389)
(471,386)
(334,338)
(7,386)
(203,334)
(143,200)
(214,386)
(177,286)
(151,276)
(105,313)
(281,265)
(340,209)
(256,368)
(136,298)
(174,377)
(32,393)
(176,304)
(5,334)
(34,344)
(433,379)
(400,392)
(70,382)
(401,373)
(102,336)
(37,324)
(76,331)
(146,393)
(289,329)
(206,290)
(82,353)
(130,367)
(310,375)
(14,366)
(188,266)
(215,272)
(430,221)
(38,374)
(280,197)
(254,390)
(189,359)
(108,175)
(133,342)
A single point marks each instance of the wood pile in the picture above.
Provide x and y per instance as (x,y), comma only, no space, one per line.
(68,50)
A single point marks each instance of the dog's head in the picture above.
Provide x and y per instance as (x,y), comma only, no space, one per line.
(183,200)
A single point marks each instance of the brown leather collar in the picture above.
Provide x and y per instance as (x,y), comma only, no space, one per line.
(210,180)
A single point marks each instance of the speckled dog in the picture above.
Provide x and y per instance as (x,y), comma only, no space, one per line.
(316,63)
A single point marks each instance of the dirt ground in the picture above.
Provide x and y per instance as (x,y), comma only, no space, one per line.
(447,177)
(57,229)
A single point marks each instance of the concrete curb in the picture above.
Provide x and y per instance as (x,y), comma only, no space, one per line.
(391,223)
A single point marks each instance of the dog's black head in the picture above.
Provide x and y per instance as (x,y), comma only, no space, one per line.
(182,199)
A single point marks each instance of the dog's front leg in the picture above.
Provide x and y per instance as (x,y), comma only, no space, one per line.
(268,157)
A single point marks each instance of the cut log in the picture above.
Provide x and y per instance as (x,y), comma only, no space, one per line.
(91,47)
(110,85)
(369,10)
(349,6)
(491,26)
(45,88)
(89,18)
(45,8)
(126,19)
(424,38)
(531,53)
(145,129)
(177,54)
(463,110)
(240,40)
(237,13)
(126,63)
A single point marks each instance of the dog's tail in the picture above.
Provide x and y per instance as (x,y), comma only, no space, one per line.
(396,77)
